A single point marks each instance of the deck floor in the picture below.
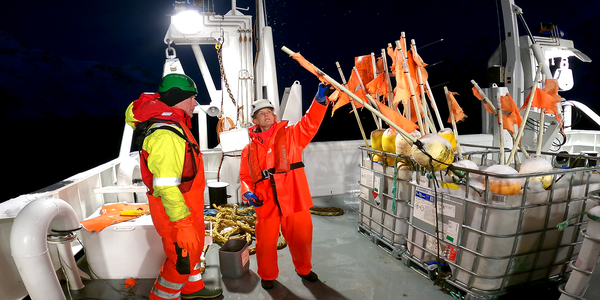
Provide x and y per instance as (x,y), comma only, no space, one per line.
(349,265)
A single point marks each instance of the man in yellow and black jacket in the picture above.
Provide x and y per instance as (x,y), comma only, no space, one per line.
(172,169)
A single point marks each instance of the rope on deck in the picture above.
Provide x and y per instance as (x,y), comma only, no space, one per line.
(233,222)
(326,211)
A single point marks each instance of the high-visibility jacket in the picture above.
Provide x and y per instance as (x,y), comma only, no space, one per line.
(293,194)
(168,161)
(172,169)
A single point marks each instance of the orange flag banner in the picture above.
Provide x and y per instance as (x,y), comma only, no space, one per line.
(392,54)
(397,118)
(309,66)
(414,77)
(354,87)
(413,113)
(378,86)
(402,90)
(379,64)
(419,63)
(546,98)
(456,110)
(512,117)
(364,65)
(488,108)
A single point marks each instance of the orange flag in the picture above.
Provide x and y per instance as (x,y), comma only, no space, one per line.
(546,98)
(413,113)
(513,117)
(378,86)
(354,87)
(309,66)
(364,65)
(402,90)
(488,108)
(456,110)
(379,64)
(397,118)
(419,63)
(392,54)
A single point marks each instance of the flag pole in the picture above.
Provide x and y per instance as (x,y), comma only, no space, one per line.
(426,112)
(541,132)
(406,105)
(458,150)
(495,112)
(404,134)
(362,86)
(484,96)
(362,131)
(531,96)
(412,90)
(500,116)
(388,82)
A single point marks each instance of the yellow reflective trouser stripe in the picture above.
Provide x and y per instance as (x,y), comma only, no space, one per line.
(168,284)
(168,181)
(165,295)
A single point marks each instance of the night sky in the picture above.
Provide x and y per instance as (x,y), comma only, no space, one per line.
(126,34)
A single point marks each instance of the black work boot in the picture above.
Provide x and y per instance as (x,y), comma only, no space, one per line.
(267,284)
(208,292)
(312,276)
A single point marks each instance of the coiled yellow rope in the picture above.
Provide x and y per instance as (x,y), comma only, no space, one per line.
(233,222)
(326,211)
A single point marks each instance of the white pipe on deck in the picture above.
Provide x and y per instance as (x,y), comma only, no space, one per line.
(29,246)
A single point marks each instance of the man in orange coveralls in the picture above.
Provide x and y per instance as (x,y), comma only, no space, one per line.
(273,181)
(172,169)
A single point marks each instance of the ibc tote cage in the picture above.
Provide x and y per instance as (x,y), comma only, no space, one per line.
(493,244)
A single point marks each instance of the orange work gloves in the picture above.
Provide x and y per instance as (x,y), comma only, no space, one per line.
(187,235)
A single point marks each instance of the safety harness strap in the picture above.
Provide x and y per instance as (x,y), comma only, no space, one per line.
(266,174)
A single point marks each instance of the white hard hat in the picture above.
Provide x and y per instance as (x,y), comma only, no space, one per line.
(260,104)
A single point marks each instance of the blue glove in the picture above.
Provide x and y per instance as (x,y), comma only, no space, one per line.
(322,93)
(254,201)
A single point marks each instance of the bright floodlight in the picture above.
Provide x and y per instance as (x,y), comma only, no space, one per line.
(187,22)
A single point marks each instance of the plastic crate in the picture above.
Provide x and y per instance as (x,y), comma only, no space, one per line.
(493,242)
(384,214)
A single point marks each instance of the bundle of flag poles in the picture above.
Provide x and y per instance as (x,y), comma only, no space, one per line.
(395,88)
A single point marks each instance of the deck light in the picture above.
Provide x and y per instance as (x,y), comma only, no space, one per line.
(187,22)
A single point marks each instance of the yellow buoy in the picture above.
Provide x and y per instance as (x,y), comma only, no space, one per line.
(388,144)
(376,136)
(449,135)
(436,147)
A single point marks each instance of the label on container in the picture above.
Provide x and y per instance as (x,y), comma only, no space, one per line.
(449,185)
(423,206)
(446,209)
(450,253)
(498,199)
(451,231)
(366,177)
(364,193)
(376,192)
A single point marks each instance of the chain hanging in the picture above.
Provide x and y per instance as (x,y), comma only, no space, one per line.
(218,47)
